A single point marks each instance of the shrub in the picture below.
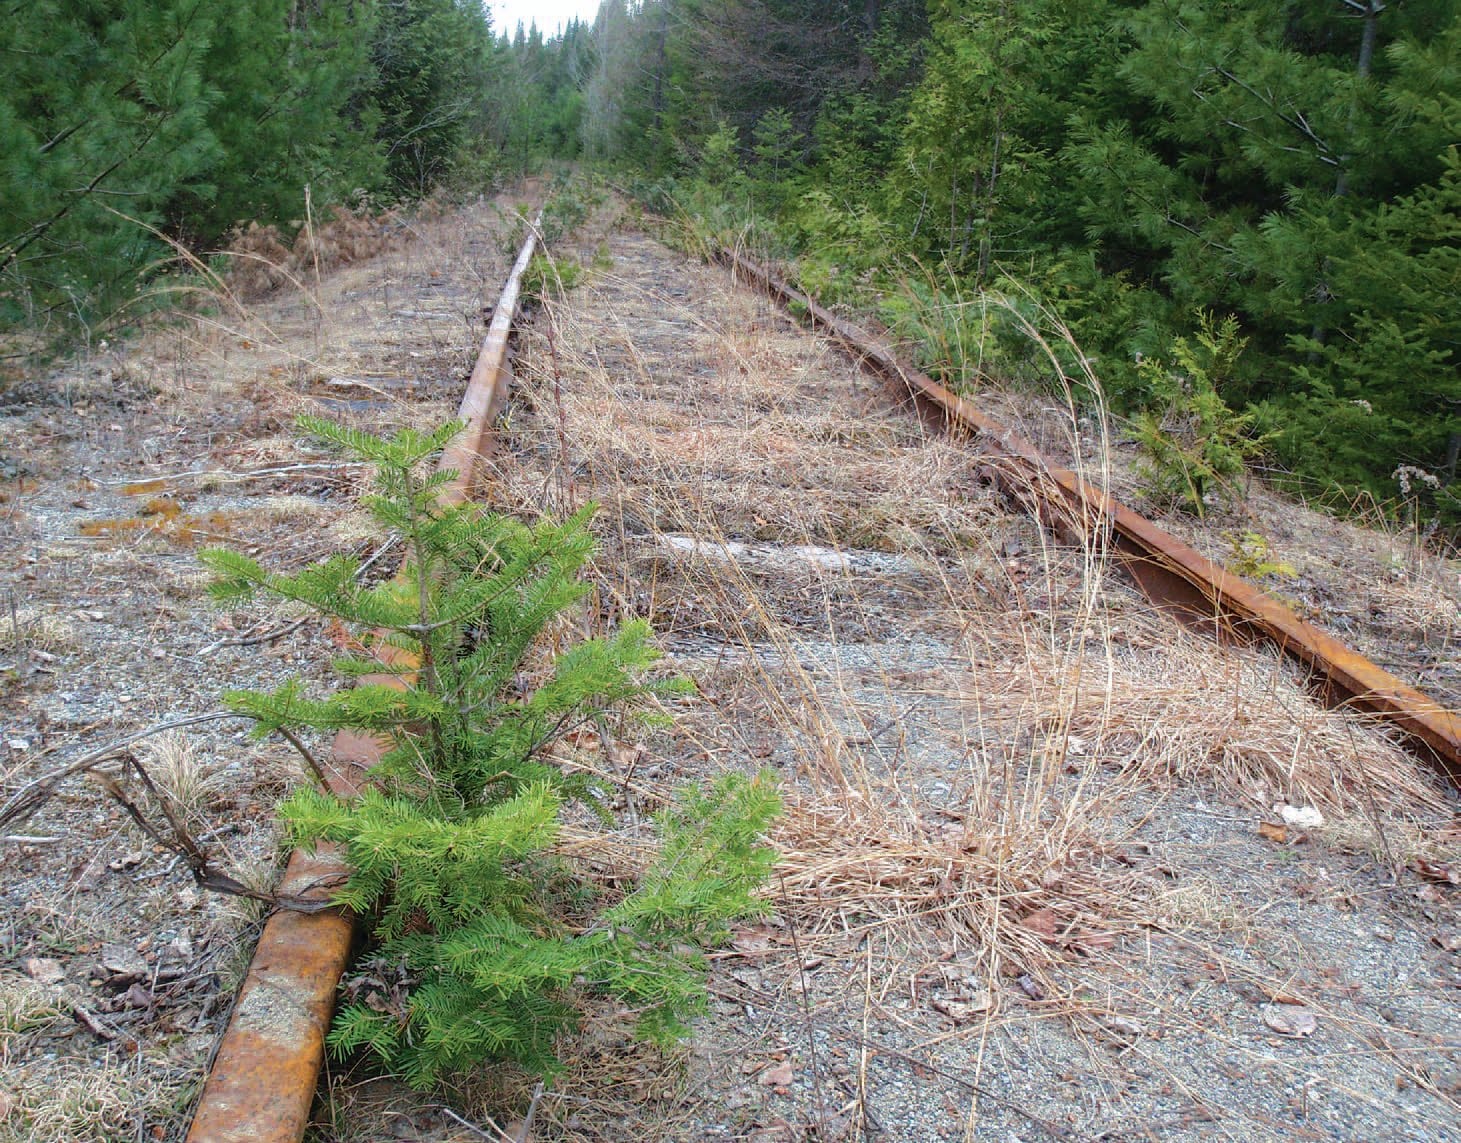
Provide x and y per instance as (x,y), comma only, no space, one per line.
(1194,446)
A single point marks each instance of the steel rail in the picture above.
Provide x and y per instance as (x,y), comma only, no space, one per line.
(262,1083)
(1168,571)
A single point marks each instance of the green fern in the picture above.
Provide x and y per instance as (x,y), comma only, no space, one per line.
(483,934)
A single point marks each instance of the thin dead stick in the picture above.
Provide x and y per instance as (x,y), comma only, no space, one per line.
(252,640)
(522,1133)
(180,841)
(34,794)
(796,946)
(223,474)
(182,844)
(319,772)
(470,1126)
(390,542)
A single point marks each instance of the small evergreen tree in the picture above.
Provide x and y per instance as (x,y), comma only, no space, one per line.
(1195,447)
(483,931)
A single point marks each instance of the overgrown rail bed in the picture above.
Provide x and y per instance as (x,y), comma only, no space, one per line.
(1033,882)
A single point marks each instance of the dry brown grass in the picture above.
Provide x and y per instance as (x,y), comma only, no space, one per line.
(263,259)
(1076,706)
(33,627)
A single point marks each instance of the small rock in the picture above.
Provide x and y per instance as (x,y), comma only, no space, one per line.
(43,970)
(1290,1020)
(1300,817)
(121,965)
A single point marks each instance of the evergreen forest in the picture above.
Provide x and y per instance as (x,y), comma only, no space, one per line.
(1245,211)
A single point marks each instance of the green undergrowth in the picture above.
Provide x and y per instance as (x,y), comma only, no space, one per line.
(485,935)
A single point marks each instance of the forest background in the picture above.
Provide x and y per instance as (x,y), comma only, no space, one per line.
(1240,210)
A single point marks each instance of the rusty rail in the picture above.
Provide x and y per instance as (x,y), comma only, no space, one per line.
(263,1079)
(1168,571)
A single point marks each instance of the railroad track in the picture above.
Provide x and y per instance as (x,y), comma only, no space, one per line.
(262,1083)
(263,1080)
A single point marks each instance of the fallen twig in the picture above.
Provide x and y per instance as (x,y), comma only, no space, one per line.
(470,1126)
(252,640)
(238,477)
(33,795)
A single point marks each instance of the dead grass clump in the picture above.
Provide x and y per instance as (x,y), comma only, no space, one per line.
(262,259)
(258,260)
(79,1103)
(344,238)
(1173,718)
(1013,894)
(287,508)
(24,1007)
(30,627)
(189,779)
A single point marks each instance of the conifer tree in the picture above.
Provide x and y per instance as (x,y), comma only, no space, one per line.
(483,931)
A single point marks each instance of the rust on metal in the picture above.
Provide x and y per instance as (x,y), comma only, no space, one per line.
(262,1083)
(1164,568)
(486,393)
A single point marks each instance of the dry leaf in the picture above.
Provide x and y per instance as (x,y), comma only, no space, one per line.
(1273,832)
(1278,996)
(962,1009)
(127,861)
(137,997)
(1042,922)
(1093,942)
(753,941)
(1122,1026)
(625,756)
(1290,1020)
(1442,871)
(778,1076)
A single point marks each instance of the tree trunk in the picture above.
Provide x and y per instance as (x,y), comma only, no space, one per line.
(1341,183)
(657,100)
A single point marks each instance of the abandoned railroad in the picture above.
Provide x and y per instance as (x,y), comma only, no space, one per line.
(1054,860)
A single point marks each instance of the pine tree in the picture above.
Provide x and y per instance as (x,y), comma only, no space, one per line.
(430,61)
(483,931)
(103,114)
